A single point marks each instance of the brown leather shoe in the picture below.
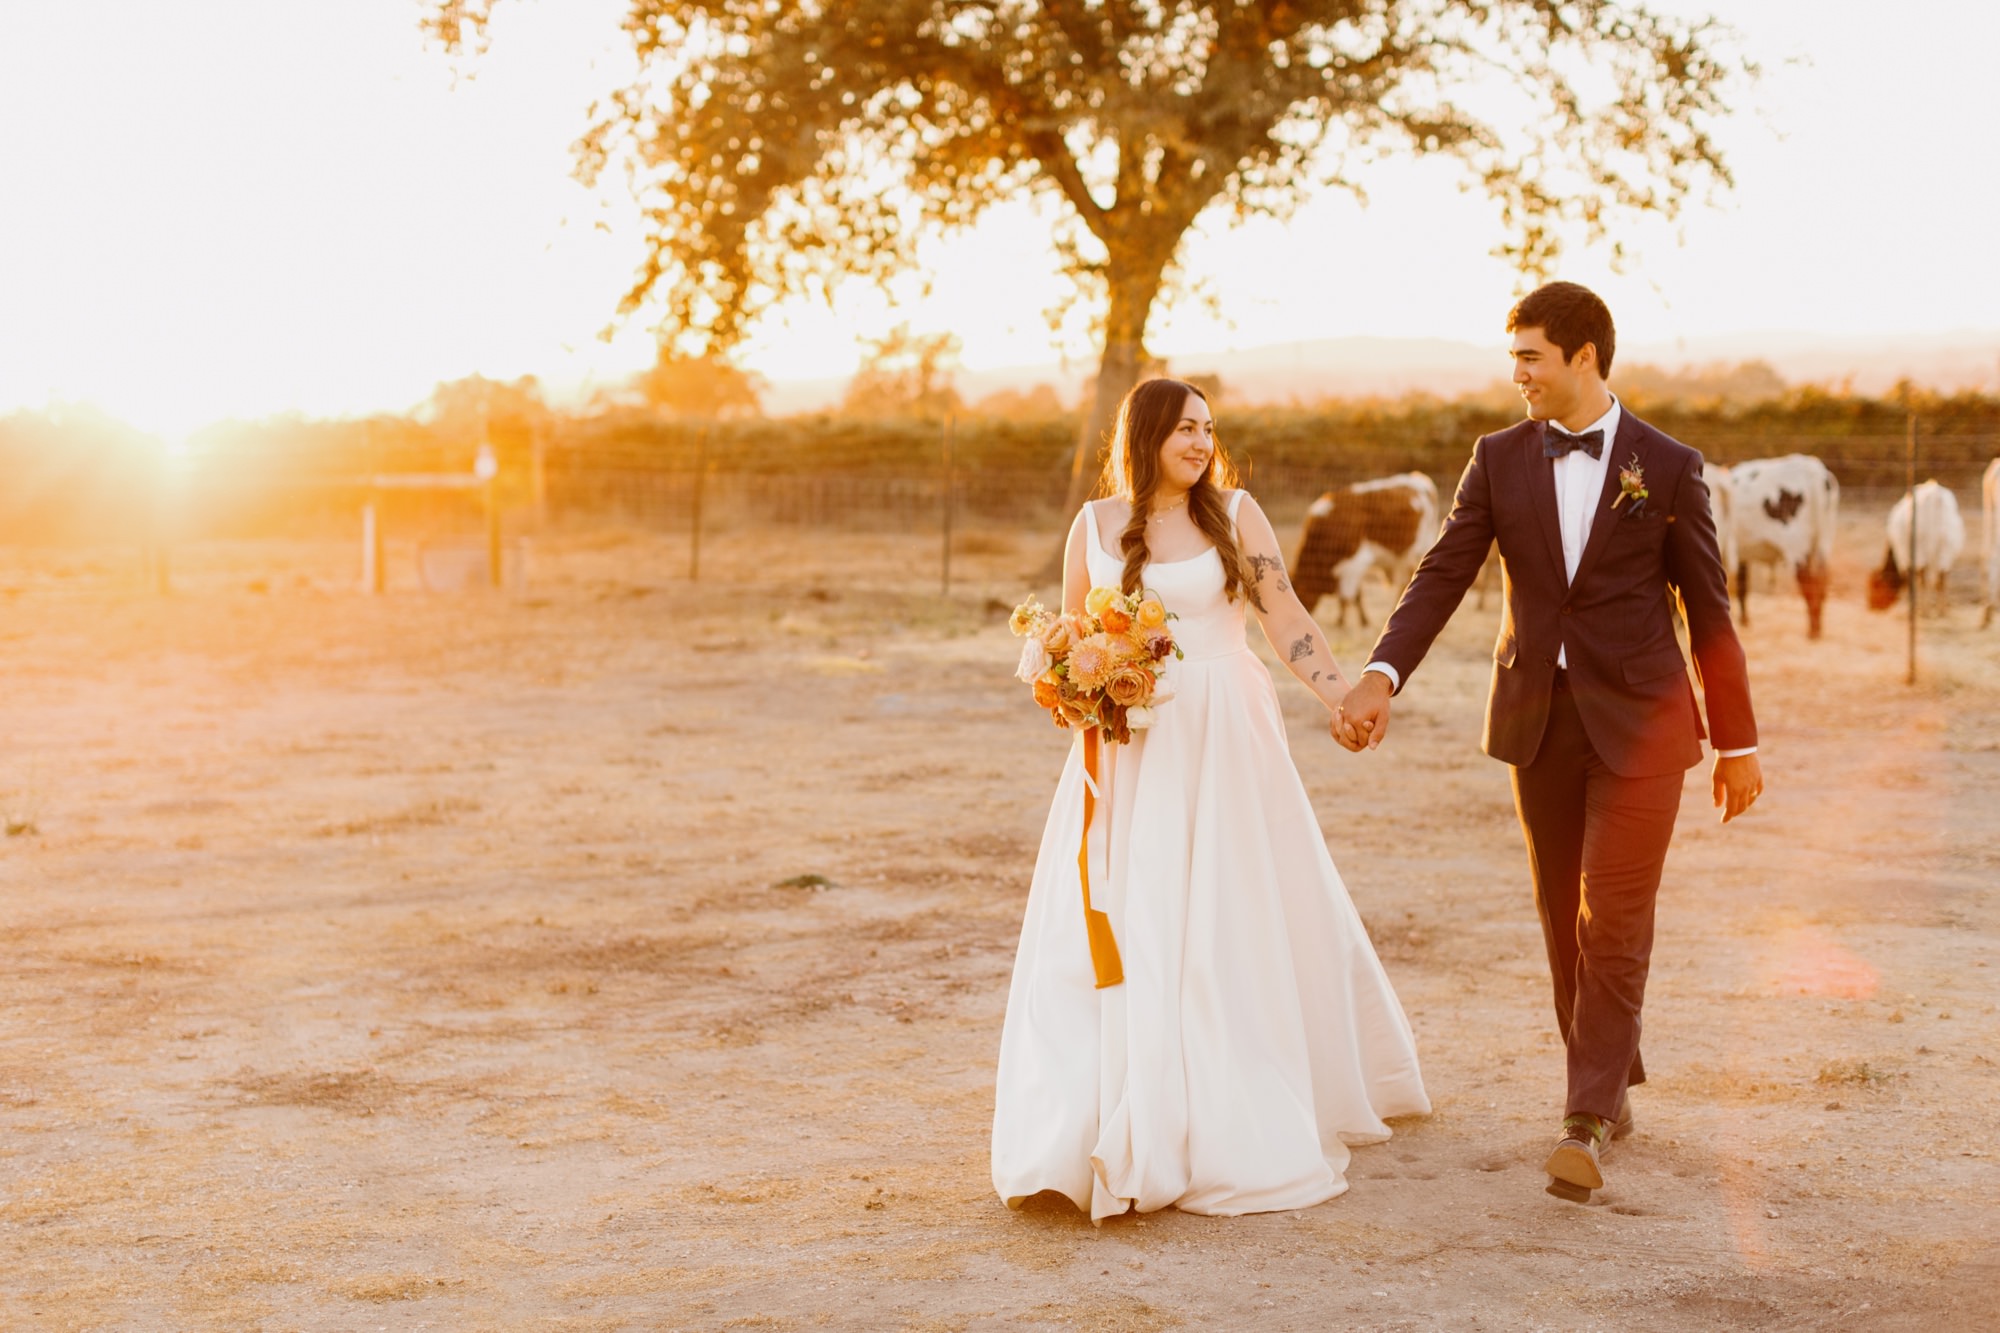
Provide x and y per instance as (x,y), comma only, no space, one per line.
(1573,1166)
(1623,1126)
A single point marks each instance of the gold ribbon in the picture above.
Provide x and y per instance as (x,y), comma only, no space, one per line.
(1096,925)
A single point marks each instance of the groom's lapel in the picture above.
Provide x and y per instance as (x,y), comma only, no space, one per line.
(1542,495)
(1623,450)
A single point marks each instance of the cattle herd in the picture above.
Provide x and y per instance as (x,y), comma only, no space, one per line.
(1769,512)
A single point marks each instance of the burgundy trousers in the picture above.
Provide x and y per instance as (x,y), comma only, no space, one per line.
(1596,845)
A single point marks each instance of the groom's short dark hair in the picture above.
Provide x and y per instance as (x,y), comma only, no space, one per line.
(1569,315)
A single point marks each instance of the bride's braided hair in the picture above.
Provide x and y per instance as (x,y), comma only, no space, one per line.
(1146,418)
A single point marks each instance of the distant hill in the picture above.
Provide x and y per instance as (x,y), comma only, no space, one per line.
(1393,367)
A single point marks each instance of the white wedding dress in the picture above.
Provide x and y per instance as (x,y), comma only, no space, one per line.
(1255,1035)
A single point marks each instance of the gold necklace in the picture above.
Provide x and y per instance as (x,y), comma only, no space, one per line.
(1155,518)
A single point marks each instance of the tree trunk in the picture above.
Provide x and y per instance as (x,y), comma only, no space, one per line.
(1118,369)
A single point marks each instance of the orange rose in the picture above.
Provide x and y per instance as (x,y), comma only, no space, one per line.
(1048,690)
(1057,636)
(1130,687)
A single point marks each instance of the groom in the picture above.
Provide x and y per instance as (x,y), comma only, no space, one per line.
(1601,520)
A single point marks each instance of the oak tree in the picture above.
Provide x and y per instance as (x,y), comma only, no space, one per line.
(780,148)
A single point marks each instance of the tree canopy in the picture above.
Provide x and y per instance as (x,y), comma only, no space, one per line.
(780,148)
(907,375)
(708,386)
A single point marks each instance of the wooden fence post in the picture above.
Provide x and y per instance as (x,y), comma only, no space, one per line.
(487,469)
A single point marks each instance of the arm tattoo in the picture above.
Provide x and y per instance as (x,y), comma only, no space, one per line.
(1261,564)
(1303,648)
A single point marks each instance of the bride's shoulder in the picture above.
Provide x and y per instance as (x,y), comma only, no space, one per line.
(1111,513)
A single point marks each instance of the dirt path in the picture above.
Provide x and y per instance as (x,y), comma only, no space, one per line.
(628,955)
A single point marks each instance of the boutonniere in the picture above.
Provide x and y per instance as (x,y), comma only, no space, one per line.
(1632,485)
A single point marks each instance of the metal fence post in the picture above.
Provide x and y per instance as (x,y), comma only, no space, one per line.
(944,577)
(374,577)
(700,481)
(1910,554)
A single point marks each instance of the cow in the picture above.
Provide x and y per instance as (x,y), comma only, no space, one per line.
(1387,523)
(1940,536)
(1783,510)
(1989,538)
(1722,507)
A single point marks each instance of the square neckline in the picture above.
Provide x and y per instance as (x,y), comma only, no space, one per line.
(1097,535)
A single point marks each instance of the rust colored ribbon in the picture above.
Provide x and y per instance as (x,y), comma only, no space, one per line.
(1097,926)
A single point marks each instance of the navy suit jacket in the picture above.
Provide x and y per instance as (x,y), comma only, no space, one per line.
(1614,619)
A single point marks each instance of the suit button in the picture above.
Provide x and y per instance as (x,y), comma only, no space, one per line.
(1566,608)
(1548,661)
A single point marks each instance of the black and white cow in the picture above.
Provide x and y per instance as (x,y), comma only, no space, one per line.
(1783,511)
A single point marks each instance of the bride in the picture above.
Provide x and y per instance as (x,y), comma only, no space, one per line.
(1255,1034)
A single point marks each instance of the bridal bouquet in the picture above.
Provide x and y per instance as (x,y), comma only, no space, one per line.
(1102,668)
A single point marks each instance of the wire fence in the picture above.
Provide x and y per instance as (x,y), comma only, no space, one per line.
(570,485)
(583,490)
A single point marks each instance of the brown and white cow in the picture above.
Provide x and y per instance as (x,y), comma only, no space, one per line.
(1989,537)
(1384,524)
(1939,537)
(1783,512)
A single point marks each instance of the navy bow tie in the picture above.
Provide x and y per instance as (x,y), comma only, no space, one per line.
(1556,442)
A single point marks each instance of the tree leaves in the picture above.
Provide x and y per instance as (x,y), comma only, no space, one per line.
(781,148)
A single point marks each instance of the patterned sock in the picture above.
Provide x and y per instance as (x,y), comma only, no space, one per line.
(1596,1126)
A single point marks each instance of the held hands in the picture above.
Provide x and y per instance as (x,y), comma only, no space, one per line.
(1362,718)
(1738,784)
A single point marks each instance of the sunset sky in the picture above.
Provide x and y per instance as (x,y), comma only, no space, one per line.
(243,207)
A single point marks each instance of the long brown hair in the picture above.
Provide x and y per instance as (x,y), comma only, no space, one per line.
(1146,418)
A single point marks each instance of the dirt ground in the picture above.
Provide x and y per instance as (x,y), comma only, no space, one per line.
(621,952)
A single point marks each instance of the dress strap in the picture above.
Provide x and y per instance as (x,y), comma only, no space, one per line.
(1090,521)
(1235,503)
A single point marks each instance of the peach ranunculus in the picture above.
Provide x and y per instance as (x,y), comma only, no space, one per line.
(1098,598)
(1130,686)
(1026,617)
(1115,620)
(1152,614)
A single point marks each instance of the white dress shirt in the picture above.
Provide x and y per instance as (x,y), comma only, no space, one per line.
(1579,484)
